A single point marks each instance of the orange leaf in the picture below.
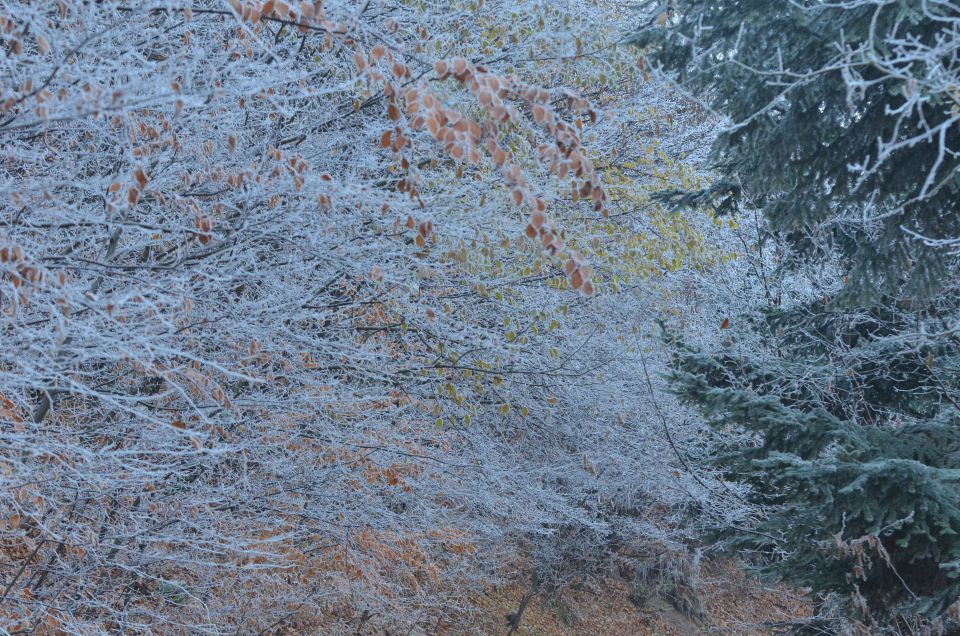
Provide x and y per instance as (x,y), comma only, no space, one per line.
(576,279)
(141,177)
(538,114)
(360,61)
(725,324)
(537,218)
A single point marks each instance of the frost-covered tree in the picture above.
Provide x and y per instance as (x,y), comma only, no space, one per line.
(843,130)
(316,314)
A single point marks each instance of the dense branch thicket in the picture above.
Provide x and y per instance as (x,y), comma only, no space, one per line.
(327,312)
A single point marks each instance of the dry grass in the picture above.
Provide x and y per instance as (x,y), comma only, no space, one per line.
(736,605)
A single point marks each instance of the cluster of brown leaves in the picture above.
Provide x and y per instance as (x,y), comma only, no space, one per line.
(464,139)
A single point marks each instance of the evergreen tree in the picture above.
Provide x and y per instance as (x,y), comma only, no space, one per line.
(844,129)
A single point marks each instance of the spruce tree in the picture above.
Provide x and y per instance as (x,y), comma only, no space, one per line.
(844,129)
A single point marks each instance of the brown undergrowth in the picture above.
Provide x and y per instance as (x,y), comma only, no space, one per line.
(734,602)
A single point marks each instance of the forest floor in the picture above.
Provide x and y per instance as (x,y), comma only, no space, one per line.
(735,604)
